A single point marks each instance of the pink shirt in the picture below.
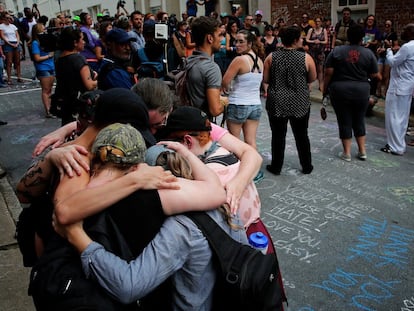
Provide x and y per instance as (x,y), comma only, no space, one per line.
(250,205)
(217,132)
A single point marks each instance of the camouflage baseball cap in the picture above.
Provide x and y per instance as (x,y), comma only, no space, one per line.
(119,143)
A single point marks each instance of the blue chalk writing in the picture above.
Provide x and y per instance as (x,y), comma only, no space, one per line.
(359,290)
(372,248)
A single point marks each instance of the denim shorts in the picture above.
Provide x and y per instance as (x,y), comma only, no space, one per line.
(382,61)
(45,73)
(8,48)
(241,113)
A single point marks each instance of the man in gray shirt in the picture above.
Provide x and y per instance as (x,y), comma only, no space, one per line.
(204,77)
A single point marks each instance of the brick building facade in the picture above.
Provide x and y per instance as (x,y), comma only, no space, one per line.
(400,11)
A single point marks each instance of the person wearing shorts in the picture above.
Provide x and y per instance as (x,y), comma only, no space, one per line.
(45,67)
(245,107)
(11,48)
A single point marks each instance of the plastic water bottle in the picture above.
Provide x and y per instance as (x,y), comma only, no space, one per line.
(259,241)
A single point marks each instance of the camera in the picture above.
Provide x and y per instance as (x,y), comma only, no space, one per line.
(121,4)
(50,39)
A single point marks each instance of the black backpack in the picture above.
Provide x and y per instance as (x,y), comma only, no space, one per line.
(57,281)
(150,69)
(247,278)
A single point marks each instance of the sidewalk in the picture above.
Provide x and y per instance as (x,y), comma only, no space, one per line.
(13,276)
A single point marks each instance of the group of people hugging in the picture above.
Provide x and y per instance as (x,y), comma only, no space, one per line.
(115,165)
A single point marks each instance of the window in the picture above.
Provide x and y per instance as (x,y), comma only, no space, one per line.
(360,8)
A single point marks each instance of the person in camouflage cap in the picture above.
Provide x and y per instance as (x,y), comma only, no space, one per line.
(120,144)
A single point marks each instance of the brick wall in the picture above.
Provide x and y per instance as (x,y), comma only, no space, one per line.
(400,11)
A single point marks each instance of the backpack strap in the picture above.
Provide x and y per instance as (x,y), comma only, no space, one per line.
(222,245)
(255,64)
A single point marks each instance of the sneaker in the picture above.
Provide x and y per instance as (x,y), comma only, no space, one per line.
(50,116)
(259,177)
(362,156)
(345,157)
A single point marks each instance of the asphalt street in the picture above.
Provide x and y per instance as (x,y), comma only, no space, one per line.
(344,234)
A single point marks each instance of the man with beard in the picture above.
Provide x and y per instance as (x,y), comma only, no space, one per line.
(136,20)
(204,75)
(340,36)
(116,70)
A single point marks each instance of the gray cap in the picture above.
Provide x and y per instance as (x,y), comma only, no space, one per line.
(154,152)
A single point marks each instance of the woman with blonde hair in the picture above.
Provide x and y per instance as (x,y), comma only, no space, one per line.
(44,65)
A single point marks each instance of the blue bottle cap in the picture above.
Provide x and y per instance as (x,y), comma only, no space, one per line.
(258,240)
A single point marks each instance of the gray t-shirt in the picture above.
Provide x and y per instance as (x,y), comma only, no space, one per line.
(204,74)
(351,63)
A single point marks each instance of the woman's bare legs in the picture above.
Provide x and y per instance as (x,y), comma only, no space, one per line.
(46,83)
(9,62)
(16,62)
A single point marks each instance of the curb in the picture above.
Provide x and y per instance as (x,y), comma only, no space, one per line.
(6,190)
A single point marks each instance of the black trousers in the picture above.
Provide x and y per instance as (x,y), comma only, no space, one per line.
(299,127)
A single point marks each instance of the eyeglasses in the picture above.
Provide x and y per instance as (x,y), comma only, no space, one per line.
(160,124)
(248,19)
(304,16)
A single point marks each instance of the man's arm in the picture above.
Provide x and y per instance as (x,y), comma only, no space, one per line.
(131,281)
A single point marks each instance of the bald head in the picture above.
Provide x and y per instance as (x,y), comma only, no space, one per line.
(408,32)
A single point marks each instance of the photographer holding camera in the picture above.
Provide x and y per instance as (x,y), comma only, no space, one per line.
(121,5)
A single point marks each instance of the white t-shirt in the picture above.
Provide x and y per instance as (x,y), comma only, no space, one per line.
(9,32)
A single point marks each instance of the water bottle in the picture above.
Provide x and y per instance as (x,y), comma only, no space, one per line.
(259,241)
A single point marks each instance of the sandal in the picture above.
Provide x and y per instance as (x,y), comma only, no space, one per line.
(388,150)
(20,80)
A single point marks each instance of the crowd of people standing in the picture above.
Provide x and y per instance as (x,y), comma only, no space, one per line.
(117,52)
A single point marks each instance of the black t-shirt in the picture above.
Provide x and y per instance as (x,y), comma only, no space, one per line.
(139,218)
(68,78)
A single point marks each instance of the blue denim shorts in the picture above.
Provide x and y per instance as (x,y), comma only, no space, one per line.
(241,113)
(45,73)
(382,61)
(8,48)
